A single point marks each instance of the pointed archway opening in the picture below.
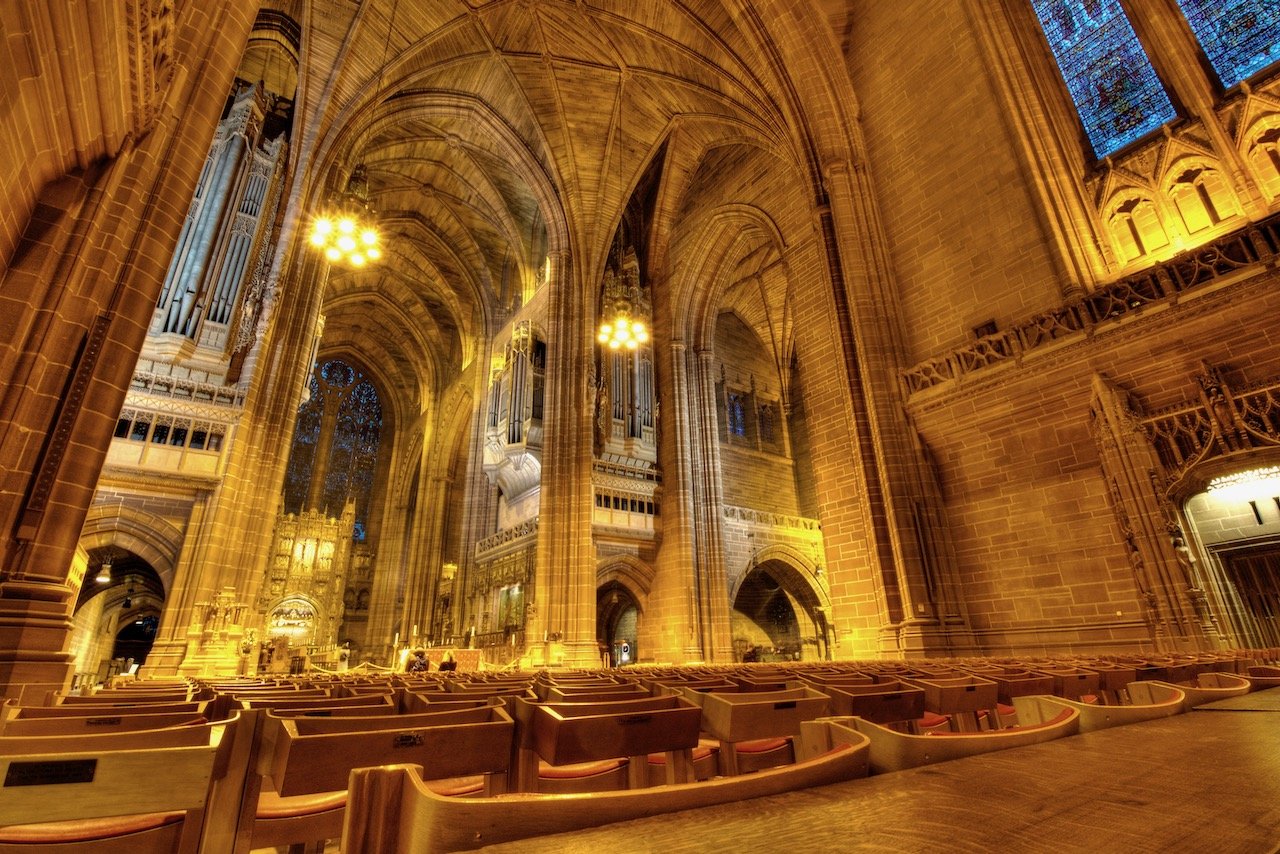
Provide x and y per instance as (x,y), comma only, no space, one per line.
(777,616)
(1232,550)
(617,620)
(134,640)
(115,619)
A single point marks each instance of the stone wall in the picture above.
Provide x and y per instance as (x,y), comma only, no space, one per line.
(1042,561)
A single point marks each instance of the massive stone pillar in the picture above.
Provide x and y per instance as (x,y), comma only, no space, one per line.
(673,591)
(89,266)
(1145,521)
(565,575)
(907,541)
(712,580)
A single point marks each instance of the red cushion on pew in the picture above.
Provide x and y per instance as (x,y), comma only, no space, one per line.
(579,769)
(761,745)
(454,787)
(1089,698)
(271,805)
(86,830)
(932,720)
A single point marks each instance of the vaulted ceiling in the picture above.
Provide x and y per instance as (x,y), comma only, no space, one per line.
(494,131)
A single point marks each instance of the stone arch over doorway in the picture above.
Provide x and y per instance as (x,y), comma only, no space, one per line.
(152,538)
(114,621)
(622,592)
(780,608)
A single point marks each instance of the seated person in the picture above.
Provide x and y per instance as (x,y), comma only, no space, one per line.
(448,662)
(418,662)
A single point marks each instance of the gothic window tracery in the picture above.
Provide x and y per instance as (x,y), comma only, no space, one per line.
(1136,228)
(1202,196)
(1264,156)
(306,433)
(335,447)
(736,412)
(1113,84)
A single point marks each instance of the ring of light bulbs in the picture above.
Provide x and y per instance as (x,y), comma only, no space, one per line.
(623,333)
(345,239)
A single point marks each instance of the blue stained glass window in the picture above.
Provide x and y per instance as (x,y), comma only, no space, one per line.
(1113,84)
(355,451)
(737,415)
(353,447)
(1240,37)
(306,435)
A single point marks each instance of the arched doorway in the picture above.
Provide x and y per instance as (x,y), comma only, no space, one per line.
(777,616)
(117,614)
(617,620)
(1233,551)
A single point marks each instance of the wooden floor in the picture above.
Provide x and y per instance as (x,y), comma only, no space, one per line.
(1206,781)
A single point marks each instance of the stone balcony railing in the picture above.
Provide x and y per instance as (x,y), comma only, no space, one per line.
(770,519)
(1254,246)
(508,538)
(178,388)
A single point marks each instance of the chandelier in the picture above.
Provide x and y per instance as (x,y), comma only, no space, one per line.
(348,233)
(104,573)
(624,307)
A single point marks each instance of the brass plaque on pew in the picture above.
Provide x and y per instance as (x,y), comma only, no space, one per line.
(52,773)
(101,721)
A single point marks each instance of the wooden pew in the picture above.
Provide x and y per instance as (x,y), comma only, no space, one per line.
(768,720)
(195,708)
(360,701)
(573,733)
(1262,676)
(960,697)
(295,795)
(534,772)
(593,693)
(1208,687)
(136,792)
(134,698)
(895,751)
(1149,701)
(392,810)
(890,702)
(77,725)
(1113,680)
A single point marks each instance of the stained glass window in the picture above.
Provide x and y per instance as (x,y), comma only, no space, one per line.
(355,424)
(1240,37)
(355,452)
(766,424)
(306,434)
(737,415)
(1113,84)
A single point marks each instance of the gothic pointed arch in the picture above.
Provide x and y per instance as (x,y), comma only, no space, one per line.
(152,538)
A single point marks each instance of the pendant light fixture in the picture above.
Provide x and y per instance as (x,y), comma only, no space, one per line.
(347,233)
(624,310)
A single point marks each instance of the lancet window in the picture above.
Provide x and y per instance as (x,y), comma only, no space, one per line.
(1239,37)
(1113,84)
(335,447)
